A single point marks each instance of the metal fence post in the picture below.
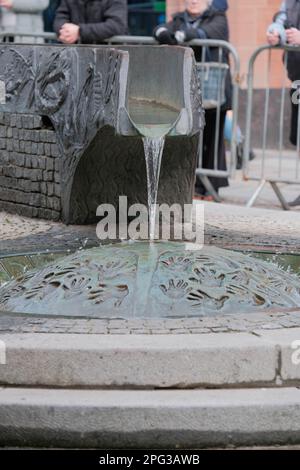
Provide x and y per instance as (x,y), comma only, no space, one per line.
(269,174)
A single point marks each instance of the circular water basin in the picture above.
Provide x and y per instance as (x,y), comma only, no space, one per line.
(141,279)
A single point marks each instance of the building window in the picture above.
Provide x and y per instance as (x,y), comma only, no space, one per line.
(144,15)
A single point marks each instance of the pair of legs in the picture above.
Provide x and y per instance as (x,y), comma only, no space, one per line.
(239,138)
(209,151)
(294,137)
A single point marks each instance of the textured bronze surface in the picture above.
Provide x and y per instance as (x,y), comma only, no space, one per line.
(151,280)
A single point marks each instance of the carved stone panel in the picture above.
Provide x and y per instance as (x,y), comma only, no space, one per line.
(83,91)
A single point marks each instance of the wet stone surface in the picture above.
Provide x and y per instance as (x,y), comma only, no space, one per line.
(73,237)
(149,280)
(259,230)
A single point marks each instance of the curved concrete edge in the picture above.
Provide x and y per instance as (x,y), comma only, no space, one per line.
(149,419)
(151,361)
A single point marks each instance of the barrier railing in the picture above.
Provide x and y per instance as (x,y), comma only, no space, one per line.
(272,166)
(32,38)
(202,172)
(222,47)
(127,40)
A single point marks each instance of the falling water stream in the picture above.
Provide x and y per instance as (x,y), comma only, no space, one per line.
(153,147)
(154,120)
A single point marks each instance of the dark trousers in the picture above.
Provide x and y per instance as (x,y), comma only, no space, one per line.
(294,120)
(209,149)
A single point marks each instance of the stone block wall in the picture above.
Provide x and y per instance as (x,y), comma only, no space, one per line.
(29,166)
(67,144)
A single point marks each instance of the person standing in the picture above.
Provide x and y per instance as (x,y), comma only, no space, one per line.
(90,21)
(28,16)
(49,15)
(285,29)
(7,17)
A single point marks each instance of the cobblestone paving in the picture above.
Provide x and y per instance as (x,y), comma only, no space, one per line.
(14,227)
(55,237)
(13,323)
(72,238)
(225,226)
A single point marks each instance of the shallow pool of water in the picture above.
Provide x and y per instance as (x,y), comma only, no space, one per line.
(13,266)
(289,262)
(151,118)
(149,280)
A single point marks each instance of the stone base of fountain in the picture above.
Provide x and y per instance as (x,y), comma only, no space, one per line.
(73,120)
(115,165)
(99,391)
(202,381)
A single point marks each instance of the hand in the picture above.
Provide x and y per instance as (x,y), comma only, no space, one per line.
(186,36)
(180,37)
(164,36)
(293,36)
(69,33)
(273,38)
(6,3)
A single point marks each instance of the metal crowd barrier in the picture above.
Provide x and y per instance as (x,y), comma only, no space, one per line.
(204,173)
(221,46)
(31,38)
(127,40)
(273,166)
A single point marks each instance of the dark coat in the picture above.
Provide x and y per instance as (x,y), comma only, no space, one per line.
(49,15)
(98,19)
(293,20)
(214,24)
(220,4)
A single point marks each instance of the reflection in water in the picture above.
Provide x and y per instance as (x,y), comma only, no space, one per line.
(151,118)
(13,267)
(288,262)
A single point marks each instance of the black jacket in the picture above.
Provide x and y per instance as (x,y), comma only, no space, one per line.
(214,24)
(293,20)
(98,19)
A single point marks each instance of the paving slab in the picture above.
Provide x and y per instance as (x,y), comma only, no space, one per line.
(236,322)
(288,342)
(161,361)
(149,419)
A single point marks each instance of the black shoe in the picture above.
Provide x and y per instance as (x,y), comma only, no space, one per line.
(239,156)
(239,163)
(295,203)
(252,155)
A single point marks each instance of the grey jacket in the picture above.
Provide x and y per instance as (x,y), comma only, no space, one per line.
(98,19)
